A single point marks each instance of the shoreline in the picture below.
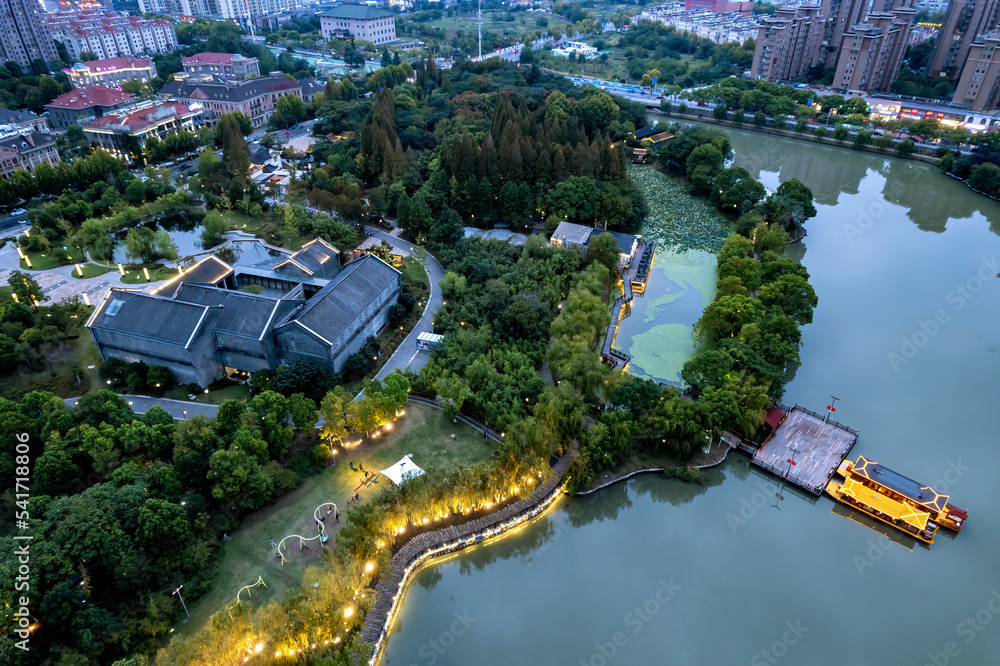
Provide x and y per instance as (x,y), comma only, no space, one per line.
(424,548)
(715,456)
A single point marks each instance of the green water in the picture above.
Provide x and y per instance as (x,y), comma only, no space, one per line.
(653,571)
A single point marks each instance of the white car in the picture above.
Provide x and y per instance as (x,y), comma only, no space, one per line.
(18,211)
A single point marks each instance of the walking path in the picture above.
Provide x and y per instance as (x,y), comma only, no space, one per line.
(179,409)
(406,354)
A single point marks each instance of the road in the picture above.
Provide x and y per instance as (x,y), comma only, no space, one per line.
(179,409)
(10,225)
(406,355)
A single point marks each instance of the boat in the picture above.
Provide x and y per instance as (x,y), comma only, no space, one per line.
(894,499)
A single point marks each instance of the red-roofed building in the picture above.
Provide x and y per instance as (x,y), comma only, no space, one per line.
(124,134)
(66,109)
(111,72)
(222,66)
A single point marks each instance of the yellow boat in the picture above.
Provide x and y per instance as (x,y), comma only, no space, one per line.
(901,515)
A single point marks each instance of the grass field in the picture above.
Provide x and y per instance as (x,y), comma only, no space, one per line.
(59,256)
(157,272)
(92,270)
(423,431)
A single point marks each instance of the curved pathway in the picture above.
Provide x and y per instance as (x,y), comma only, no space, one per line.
(179,409)
(406,354)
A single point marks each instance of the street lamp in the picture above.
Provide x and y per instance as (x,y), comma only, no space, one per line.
(181,597)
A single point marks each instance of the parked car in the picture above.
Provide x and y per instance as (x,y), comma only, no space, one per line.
(18,211)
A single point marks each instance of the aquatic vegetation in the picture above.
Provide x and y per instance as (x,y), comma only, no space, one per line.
(677,220)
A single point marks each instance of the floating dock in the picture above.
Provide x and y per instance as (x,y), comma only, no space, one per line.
(803,448)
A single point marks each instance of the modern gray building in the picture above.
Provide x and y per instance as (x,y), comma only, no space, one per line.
(203,328)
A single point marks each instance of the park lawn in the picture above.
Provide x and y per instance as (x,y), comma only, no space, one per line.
(423,431)
(60,256)
(157,273)
(92,270)
(255,226)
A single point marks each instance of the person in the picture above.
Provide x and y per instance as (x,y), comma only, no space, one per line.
(272,543)
(361,467)
(225,537)
(352,466)
(356,497)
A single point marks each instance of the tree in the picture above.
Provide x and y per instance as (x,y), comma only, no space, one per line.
(26,289)
(840,133)
(604,250)
(333,411)
(214,228)
(752,399)
(289,110)
(906,147)
(737,188)
(303,411)
(452,393)
(793,295)
(163,526)
(238,479)
(649,78)
(703,164)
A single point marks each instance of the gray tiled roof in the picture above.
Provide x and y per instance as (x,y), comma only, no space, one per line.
(313,257)
(242,313)
(209,270)
(220,91)
(149,316)
(625,241)
(343,300)
(8,117)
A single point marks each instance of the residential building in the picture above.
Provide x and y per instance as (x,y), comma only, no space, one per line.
(220,66)
(24,149)
(838,16)
(124,133)
(24,120)
(123,6)
(787,43)
(111,35)
(240,11)
(254,97)
(963,22)
(979,85)
(872,52)
(111,72)
(94,101)
(719,6)
(202,328)
(23,35)
(719,27)
(360,21)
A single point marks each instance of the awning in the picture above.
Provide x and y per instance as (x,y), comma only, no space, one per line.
(403,470)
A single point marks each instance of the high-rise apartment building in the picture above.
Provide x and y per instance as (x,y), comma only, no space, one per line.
(111,35)
(241,11)
(719,6)
(838,17)
(23,35)
(871,53)
(963,23)
(979,85)
(787,43)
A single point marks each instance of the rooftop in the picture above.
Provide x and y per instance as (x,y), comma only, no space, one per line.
(311,257)
(84,98)
(215,59)
(209,270)
(144,118)
(352,11)
(904,486)
(144,315)
(234,91)
(8,117)
(242,313)
(574,234)
(342,301)
(111,64)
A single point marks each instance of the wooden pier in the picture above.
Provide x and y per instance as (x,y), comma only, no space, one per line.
(633,279)
(803,449)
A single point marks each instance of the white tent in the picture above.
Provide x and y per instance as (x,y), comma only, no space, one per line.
(403,470)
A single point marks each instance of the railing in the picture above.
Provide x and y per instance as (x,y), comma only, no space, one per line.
(823,418)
